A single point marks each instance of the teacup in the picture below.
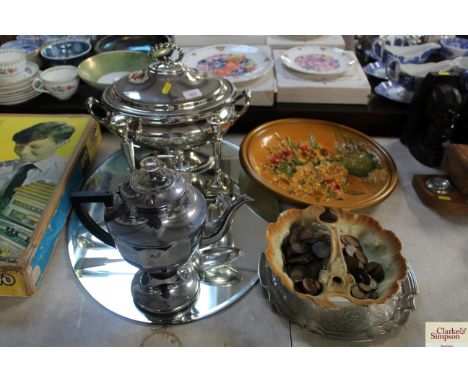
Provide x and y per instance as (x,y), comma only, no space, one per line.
(454,47)
(12,64)
(410,76)
(59,81)
(413,54)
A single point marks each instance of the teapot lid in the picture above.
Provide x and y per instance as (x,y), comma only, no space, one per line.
(168,89)
(153,185)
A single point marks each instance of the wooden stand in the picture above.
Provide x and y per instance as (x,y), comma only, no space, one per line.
(452,203)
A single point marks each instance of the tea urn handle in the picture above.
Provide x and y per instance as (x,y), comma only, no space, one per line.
(245,96)
(92,104)
(78,198)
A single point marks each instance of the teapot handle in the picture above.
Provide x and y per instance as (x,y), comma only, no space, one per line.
(80,197)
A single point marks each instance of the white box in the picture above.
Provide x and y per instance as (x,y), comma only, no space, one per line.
(351,88)
(206,40)
(263,89)
(283,42)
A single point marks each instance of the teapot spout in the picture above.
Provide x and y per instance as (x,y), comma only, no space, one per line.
(219,227)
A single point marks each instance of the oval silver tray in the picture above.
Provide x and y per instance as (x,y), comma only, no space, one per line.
(353,323)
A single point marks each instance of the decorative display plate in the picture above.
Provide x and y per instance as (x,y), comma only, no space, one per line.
(107,277)
(29,71)
(353,323)
(317,60)
(267,157)
(237,63)
(376,69)
(394,91)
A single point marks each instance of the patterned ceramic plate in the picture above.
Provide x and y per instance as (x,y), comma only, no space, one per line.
(317,60)
(308,161)
(237,63)
(29,71)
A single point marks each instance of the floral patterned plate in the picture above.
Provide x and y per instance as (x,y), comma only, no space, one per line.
(317,60)
(237,63)
(308,161)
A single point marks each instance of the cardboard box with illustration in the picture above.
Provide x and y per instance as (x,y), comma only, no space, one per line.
(43,159)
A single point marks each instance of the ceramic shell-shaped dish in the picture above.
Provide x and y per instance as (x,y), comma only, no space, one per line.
(379,245)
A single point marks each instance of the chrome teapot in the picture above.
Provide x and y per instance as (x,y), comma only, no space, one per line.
(157,221)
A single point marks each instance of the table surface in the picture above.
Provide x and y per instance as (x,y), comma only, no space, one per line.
(62,313)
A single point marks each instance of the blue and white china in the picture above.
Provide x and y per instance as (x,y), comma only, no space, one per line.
(48,38)
(454,47)
(410,76)
(35,38)
(413,54)
(66,52)
(394,91)
(26,46)
(401,40)
(460,64)
(376,69)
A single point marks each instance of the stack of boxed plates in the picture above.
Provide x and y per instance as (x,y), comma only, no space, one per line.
(317,74)
(16,77)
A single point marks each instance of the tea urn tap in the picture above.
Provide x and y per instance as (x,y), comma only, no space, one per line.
(156,220)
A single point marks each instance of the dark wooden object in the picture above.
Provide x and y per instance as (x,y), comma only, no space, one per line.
(452,203)
(455,164)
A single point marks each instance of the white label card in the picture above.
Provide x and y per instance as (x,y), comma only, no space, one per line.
(193,93)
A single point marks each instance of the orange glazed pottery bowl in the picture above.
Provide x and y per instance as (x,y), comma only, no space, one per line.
(305,162)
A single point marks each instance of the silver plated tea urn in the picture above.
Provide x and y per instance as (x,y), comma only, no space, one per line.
(156,220)
(167,107)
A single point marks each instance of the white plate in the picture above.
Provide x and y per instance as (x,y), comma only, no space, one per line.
(21,97)
(21,100)
(237,63)
(317,60)
(29,71)
(394,91)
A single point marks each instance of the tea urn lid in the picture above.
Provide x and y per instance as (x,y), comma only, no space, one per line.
(153,186)
(168,89)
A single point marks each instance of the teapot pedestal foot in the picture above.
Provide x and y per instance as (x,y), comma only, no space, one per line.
(165,296)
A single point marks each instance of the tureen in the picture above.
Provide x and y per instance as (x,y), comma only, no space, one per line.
(167,105)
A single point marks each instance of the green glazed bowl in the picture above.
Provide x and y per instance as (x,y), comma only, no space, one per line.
(103,69)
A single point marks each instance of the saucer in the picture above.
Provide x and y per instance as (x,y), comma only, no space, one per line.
(376,69)
(29,71)
(393,91)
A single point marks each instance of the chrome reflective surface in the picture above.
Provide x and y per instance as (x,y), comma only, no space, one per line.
(439,185)
(350,323)
(168,104)
(110,283)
